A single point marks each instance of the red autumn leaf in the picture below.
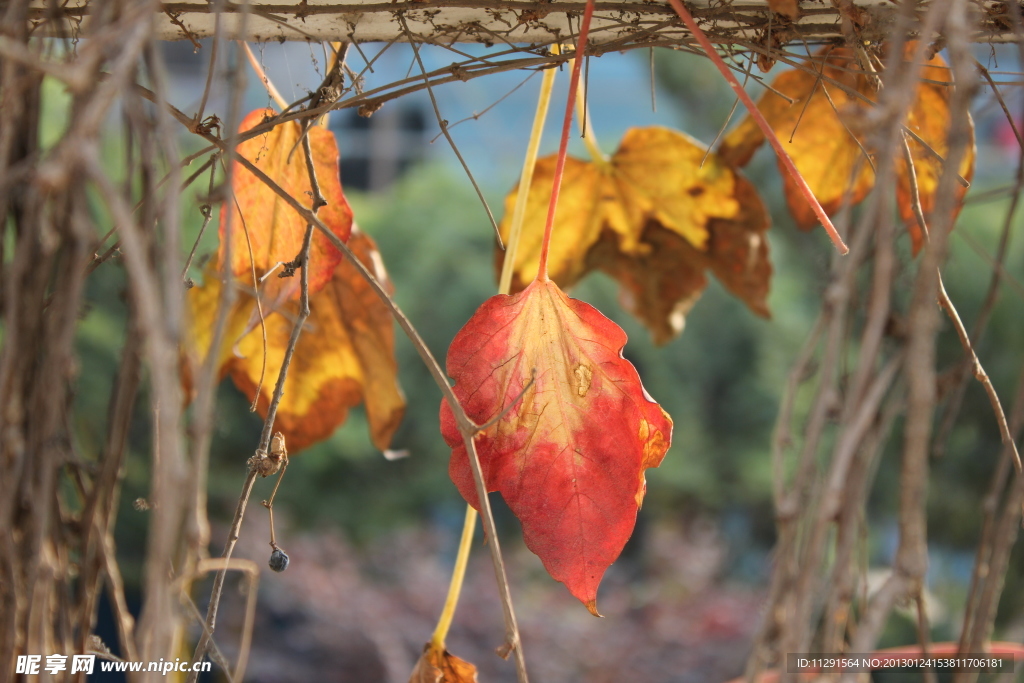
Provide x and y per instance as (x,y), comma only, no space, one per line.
(266,231)
(569,455)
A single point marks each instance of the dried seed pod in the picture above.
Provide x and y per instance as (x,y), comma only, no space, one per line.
(278,452)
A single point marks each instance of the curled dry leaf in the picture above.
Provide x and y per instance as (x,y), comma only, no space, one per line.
(344,356)
(440,666)
(569,454)
(824,131)
(654,218)
(262,221)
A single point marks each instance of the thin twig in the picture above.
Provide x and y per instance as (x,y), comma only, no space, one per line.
(443,124)
(980,374)
(216,655)
(476,116)
(218,580)
(218,8)
(958,325)
(207,212)
(986,308)
(202,422)
(728,117)
(303,260)
(262,75)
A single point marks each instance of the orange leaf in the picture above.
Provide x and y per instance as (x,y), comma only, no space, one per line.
(263,221)
(655,219)
(832,158)
(930,119)
(824,150)
(440,666)
(569,455)
(343,357)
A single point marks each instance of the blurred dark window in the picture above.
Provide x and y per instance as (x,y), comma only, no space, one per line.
(377,150)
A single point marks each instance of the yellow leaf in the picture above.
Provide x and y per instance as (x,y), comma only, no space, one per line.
(662,283)
(651,218)
(824,150)
(659,176)
(578,221)
(929,119)
(345,354)
(202,302)
(817,132)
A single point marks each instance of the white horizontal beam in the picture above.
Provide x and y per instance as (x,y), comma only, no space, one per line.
(629,22)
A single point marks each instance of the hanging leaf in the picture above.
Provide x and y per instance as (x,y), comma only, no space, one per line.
(824,150)
(930,119)
(344,356)
(440,666)
(264,223)
(569,455)
(655,219)
(662,281)
(821,128)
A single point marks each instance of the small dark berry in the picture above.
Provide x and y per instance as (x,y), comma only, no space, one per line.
(278,560)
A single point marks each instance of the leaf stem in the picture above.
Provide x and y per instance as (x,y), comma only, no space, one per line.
(759,119)
(526,178)
(458,574)
(504,287)
(563,145)
(587,130)
(262,75)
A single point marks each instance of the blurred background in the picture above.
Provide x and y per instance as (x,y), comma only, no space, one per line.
(372,540)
